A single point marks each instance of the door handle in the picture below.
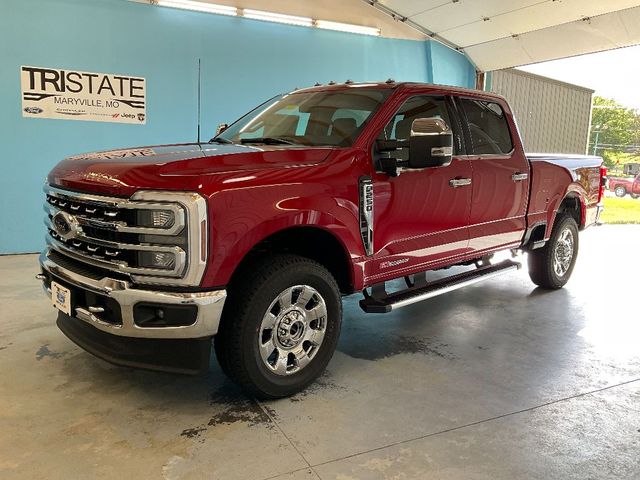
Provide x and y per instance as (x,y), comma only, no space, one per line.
(518,177)
(459,182)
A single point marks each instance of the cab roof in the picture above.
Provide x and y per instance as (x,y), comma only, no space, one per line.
(393,85)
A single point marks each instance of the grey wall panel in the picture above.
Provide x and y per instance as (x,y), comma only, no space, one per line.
(553,116)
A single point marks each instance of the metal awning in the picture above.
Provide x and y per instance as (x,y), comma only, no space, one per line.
(497,34)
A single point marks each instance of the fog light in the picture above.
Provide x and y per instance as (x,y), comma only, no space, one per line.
(156,218)
(162,260)
(153,315)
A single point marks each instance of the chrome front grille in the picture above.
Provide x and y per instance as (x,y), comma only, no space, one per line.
(154,237)
(95,211)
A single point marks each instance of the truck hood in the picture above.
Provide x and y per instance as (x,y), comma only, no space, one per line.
(174,167)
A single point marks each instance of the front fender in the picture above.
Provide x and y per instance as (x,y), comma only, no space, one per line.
(235,236)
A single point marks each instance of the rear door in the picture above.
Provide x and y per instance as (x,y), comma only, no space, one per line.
(500,176)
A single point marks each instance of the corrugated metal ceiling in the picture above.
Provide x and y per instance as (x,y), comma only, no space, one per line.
(498,34)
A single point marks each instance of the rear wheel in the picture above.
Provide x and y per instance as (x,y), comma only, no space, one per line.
(551,266)
(280,327)
(620,191)
(635,195)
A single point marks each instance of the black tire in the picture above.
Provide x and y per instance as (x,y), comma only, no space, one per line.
(541,261)
(620,191)
(250,297)
(635,195)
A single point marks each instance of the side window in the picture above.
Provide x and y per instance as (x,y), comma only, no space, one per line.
(423,106)
(488,127)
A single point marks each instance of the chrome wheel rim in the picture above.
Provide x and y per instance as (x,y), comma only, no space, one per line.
(292,330)
(563,253)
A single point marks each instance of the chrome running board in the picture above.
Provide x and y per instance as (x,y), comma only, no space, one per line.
(378,301)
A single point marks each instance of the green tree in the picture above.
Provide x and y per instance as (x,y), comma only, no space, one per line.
(614,129)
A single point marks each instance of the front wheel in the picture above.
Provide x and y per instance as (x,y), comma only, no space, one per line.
(280,327)
(635,195)
(551,266)
(620,191)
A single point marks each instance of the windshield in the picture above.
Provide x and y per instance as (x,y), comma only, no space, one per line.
(308,118)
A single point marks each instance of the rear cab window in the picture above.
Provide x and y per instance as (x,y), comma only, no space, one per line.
(488,127)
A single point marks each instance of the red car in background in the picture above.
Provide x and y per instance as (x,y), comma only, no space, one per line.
(623,186)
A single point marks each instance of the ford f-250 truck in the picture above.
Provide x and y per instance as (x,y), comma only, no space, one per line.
(253,238)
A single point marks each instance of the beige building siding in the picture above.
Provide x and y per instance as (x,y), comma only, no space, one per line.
(553,116)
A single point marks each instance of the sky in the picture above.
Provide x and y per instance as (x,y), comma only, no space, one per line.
(612,74)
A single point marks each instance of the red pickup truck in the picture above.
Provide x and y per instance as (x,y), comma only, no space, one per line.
(623,186)
(253,238)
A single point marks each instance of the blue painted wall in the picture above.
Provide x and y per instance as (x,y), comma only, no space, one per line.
(449,67)
(243,63)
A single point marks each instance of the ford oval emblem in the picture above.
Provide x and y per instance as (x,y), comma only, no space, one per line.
(65,225)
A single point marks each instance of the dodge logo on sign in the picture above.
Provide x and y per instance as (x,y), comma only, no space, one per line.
(70,94)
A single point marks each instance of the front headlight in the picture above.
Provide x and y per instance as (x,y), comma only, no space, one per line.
(157,260)
(156,218)
(171,219)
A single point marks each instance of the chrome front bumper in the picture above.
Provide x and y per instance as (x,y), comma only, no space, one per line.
(209,304)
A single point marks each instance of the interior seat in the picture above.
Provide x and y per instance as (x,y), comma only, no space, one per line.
(343,128)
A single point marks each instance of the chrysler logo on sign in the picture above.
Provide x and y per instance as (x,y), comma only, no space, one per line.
(66,225)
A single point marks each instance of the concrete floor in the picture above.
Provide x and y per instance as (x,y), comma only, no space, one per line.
(496,381)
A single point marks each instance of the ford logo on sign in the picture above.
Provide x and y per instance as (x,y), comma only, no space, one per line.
(34,110)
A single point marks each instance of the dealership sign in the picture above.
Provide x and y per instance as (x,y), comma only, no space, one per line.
(73,95)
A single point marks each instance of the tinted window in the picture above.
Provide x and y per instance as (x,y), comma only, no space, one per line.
(399,128)
(488,127)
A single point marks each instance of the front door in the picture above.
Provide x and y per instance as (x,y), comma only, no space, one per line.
(420,216)
(501,173)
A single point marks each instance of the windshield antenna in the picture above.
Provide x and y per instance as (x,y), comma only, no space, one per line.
(198,113)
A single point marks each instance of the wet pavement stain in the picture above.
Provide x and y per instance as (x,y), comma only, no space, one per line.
(240,410)
(368,346)
(192,432)
(321,384)
(236,408)
(44,351)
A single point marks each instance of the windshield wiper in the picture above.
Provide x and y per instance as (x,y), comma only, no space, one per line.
(268,141)
(220,140)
